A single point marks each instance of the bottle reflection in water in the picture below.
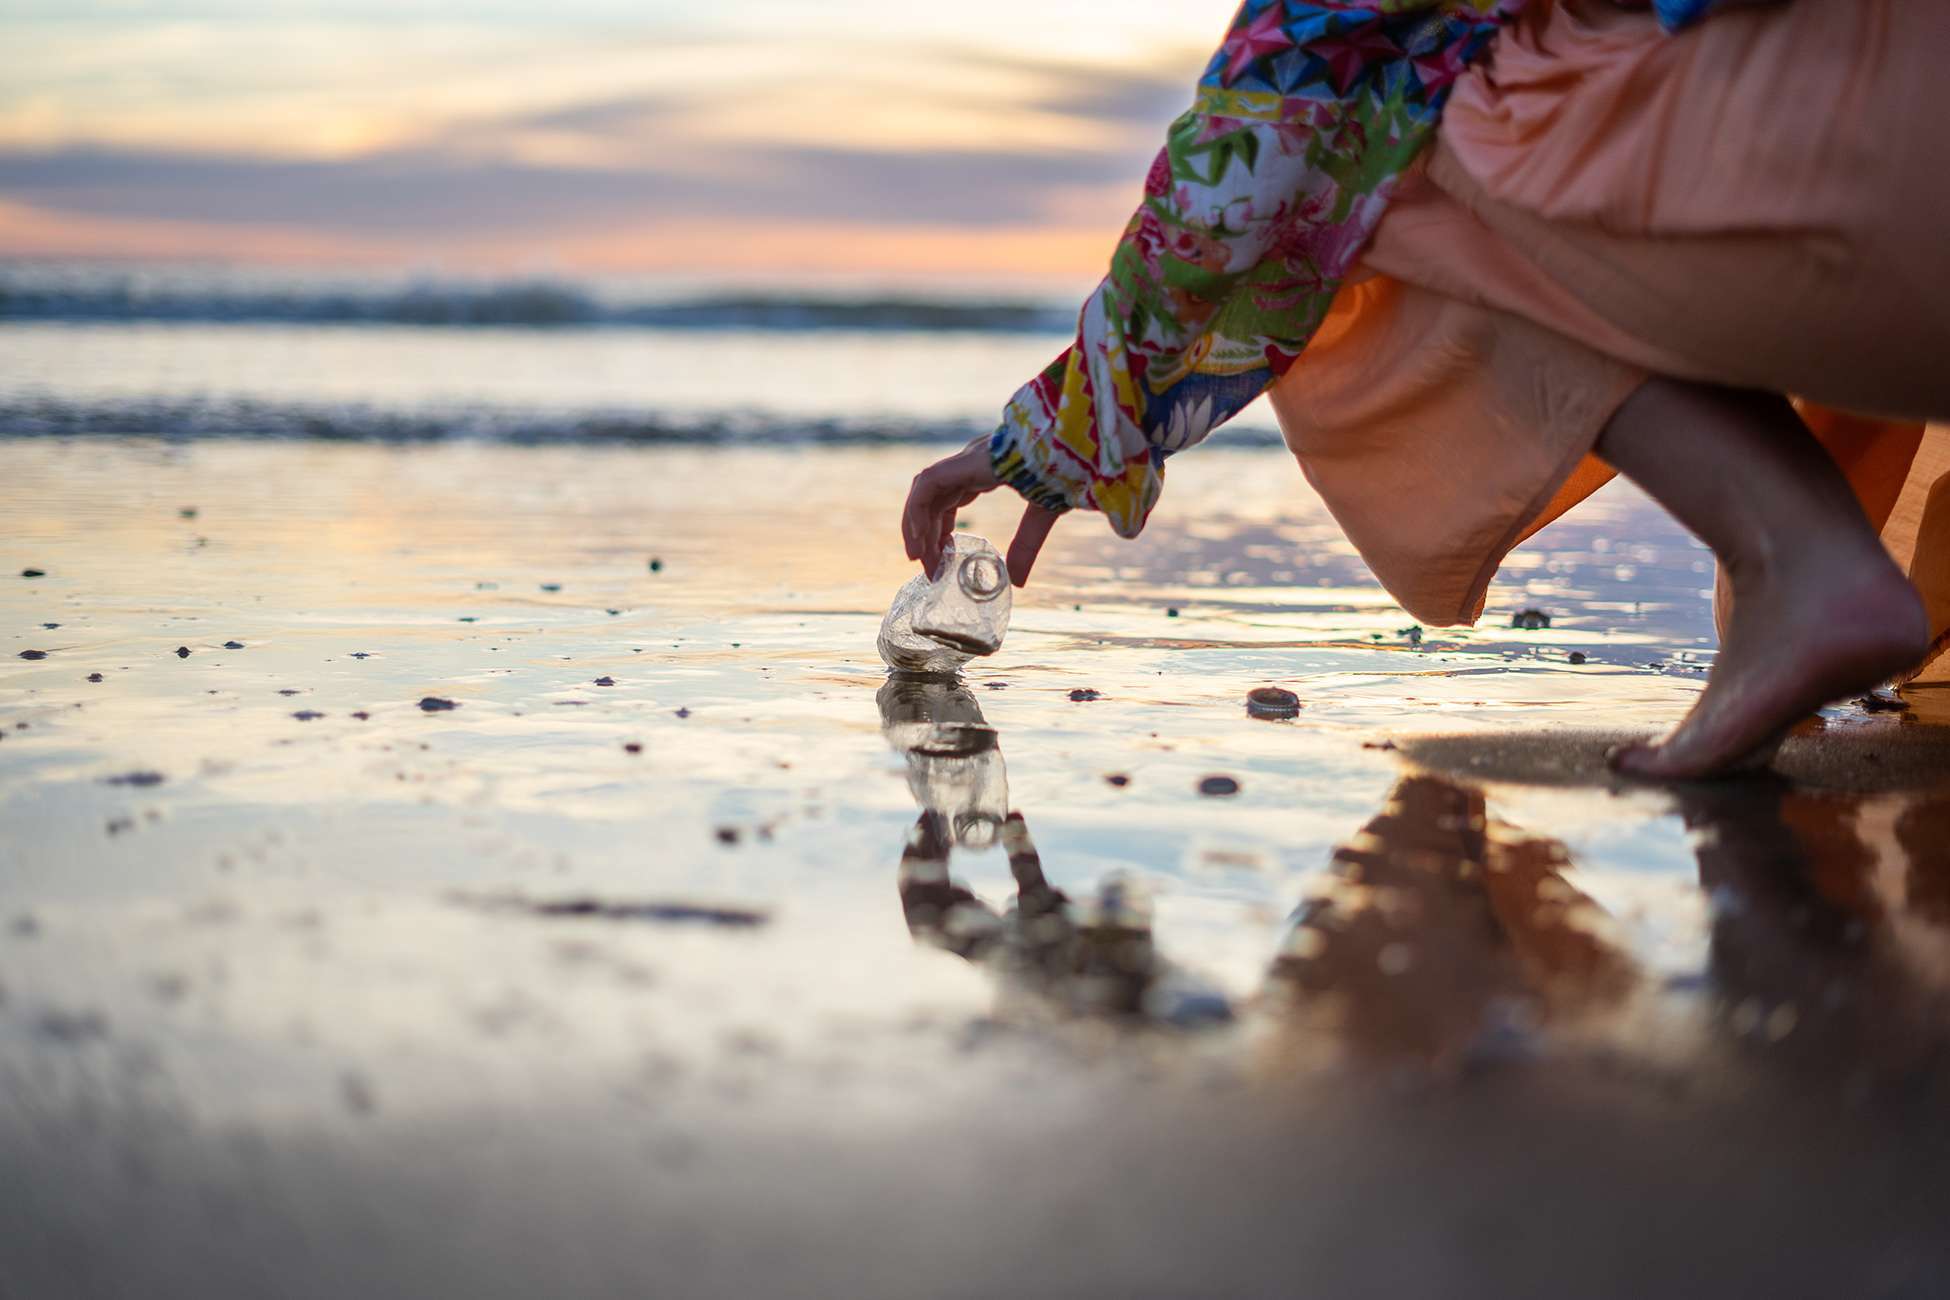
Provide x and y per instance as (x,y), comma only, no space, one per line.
(954,765)
(937,626)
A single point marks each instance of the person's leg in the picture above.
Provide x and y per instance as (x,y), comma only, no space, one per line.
(1819,609)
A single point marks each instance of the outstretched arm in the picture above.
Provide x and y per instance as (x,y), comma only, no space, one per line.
(1253,212)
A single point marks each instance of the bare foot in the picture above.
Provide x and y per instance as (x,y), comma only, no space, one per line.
(1818,629)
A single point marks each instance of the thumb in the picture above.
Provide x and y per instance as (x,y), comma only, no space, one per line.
(1030,534)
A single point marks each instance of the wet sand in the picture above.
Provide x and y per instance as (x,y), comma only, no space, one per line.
(688,954)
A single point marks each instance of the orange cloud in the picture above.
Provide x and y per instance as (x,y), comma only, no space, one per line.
(1069,252)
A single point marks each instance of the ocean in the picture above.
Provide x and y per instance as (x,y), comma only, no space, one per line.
(220,352)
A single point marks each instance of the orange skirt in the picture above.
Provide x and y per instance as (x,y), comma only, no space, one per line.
(1758,201)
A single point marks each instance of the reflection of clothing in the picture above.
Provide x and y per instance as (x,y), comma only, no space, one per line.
(1757,201)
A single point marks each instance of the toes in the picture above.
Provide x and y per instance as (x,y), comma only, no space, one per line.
(1638,759)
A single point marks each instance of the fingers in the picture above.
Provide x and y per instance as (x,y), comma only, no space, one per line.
(937,493)
(1028,543)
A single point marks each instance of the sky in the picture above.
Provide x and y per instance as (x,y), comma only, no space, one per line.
(867,138)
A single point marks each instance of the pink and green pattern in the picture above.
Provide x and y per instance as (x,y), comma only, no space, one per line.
(1254,212)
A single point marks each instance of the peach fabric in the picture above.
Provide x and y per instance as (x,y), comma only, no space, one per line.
(1756,201)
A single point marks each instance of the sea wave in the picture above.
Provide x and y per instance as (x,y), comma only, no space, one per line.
(245,418)
(535,303)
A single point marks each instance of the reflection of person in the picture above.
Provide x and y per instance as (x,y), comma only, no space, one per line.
(1829,948)
(1097,956)
(1832,943)
(1459,287)
(1440,928)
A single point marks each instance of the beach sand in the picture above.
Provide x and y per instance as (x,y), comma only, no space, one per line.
(509,871)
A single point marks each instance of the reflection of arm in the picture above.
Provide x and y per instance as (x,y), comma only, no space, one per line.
(1254,210)
(937,909)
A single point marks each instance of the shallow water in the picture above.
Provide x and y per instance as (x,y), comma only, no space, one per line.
(684,907)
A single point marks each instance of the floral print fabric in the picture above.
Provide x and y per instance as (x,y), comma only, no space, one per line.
(1253,213)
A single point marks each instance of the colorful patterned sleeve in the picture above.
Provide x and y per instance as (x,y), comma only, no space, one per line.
(1675,14)
(1253,213)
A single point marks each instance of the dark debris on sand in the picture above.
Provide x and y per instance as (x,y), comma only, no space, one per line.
(1530,620)
(94,677)
(233,645)
(1272,702)
(182,652)
(601,909)
(434,704)
(604,681)
(307,715)
(1218,786)
(33,654)
(1085,693)
(33,573)
(142,779)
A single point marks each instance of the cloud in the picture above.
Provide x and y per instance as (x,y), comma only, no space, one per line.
(415,192)
(1140,100)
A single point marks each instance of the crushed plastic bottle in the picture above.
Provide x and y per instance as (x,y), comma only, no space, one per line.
(937,626)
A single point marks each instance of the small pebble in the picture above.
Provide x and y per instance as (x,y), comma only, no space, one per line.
(50,626)
(605,681)
(656,566)
(1272,702)
(683,713)
(1172,612)
(33,654)
(287,691)
(94,677)
(469,618)
(139,779)
(1218,785)
(360,654)
(1085,693)
(307,715)
(1118,779)
(612,612)
(632,747)
(1577,656)
(187,512)
(33,573)
(182,652)
(727,834)
(233,645)
(551,586)
(434,704)
(361,714)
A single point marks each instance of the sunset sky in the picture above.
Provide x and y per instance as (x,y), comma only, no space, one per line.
(878,138)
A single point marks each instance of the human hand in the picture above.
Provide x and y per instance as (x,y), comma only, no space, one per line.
(942,489)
